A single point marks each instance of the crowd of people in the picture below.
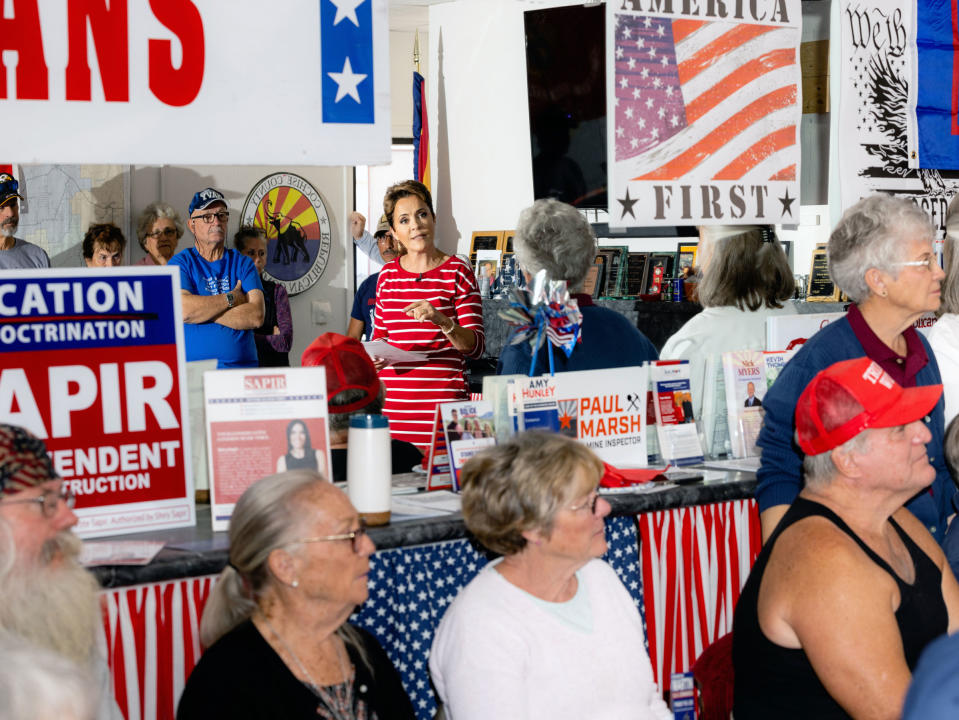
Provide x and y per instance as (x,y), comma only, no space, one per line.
(856,486)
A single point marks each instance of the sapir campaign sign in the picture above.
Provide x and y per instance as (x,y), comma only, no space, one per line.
(196,82)
(92,363)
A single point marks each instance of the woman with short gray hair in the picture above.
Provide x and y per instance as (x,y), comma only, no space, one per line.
(547,631)
(881,255)
(554,236)
(944,336)
(159,229)
(745,278)
(276,621)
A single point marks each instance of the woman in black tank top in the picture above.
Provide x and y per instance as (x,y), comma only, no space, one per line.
(850,587)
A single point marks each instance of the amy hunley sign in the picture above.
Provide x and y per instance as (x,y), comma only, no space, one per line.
(703,111)
(292,214)
(603,409)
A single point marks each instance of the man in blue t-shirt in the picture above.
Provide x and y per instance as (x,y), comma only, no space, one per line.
(220,289)
(364,302)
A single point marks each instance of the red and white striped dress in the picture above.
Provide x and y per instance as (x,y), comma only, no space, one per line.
(414,389)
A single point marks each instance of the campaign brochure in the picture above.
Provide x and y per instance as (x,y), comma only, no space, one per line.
(604,409)
(438,475)
(745,377)
(714,419)
(262,421)
(675,425)
(773,363)
(468,428)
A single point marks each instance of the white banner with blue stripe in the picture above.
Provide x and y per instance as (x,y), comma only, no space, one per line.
(198,82)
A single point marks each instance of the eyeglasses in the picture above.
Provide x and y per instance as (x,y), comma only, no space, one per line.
(356,536)
(221,216)
(930,263)
(49,501)
(171,232)
(590,503)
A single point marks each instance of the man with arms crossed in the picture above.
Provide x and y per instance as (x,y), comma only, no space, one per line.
(220,289)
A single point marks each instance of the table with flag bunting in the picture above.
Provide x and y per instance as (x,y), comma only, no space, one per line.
(683,566)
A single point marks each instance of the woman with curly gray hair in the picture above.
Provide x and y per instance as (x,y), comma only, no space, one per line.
(555,236)
(944,336)
(276,621)
(159,229)
(745,278)
(881,255)
(548,631)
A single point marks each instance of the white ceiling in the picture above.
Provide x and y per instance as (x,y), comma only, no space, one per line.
(409,15)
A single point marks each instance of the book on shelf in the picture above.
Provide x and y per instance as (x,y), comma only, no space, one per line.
(745,377)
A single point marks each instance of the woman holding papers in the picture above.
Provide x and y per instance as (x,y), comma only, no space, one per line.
(275,624)
(548,631)
(428,302)
(745,279)
(881,255)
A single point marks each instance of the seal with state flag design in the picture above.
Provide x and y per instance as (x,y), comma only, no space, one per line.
(293,216)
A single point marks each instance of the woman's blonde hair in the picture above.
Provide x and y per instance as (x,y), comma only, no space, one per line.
(521,484)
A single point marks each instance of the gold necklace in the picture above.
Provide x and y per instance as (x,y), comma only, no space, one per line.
(339,698)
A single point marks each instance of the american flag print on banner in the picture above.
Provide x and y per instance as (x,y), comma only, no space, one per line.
(703,112)
(346,46)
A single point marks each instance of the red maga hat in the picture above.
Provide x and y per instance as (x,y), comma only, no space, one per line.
(348,367)
(851,396)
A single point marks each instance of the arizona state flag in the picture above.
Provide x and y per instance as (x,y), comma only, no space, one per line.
(421,132)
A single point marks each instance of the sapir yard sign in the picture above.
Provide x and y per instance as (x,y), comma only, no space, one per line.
(91,362)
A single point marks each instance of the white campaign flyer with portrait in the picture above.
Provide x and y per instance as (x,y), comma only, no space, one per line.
(260,421)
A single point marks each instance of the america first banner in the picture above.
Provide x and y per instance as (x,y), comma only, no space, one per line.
(197,82)
(91,362)
(703,111)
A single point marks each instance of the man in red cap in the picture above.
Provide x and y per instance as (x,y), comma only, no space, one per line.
(352,388)
(46,597)
(850,587)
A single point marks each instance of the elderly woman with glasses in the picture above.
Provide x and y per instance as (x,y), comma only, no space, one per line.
(881,255)
(548,630)
(159,229)
(275,624)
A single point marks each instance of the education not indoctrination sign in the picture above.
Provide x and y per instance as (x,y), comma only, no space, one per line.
(92,362)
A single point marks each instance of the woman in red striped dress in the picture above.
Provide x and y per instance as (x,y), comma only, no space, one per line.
(426,301)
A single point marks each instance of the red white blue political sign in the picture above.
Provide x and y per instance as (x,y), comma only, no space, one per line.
(92,362)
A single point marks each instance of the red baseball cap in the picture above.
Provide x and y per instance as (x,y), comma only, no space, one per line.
(348,367)
(851,396)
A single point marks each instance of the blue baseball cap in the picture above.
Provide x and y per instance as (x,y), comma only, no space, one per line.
(203,199)
(9,188)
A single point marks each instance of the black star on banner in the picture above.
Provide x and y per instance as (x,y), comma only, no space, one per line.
(787,204)
(627,204)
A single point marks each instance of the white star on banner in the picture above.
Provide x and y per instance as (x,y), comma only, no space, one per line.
(347,81)
(346,10)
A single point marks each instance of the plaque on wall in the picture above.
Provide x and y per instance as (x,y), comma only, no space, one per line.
(615,270)
(821,287)
(484,240)
(636,273)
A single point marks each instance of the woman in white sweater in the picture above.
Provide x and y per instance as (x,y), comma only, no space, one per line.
(745,279)
(944,336)
(548,631)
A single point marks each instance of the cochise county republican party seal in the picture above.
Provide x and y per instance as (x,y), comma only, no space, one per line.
(292,214)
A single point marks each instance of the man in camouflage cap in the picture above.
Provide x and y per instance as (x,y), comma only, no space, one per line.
(46,596)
